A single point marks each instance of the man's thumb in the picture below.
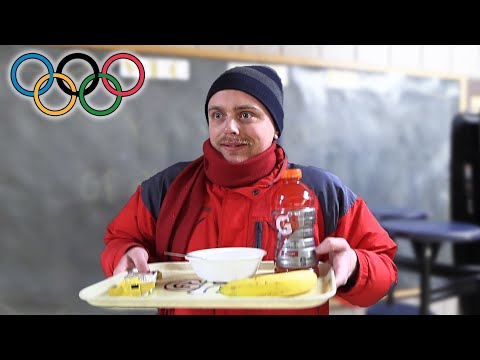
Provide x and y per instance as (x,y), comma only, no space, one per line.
(140,260)
(324,247)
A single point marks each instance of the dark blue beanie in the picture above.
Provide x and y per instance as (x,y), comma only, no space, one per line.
(262,82)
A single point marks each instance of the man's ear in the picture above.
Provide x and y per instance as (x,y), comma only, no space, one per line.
(275,137)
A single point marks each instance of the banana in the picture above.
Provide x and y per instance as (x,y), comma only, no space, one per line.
(277,284)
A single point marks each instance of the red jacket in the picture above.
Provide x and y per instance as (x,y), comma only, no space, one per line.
(241,217)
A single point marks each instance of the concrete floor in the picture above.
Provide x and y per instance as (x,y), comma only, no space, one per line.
(445,307)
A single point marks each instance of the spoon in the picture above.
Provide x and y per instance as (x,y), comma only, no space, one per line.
(184,255)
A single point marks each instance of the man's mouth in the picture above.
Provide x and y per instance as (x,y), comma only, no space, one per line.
(234,145)
(234,142)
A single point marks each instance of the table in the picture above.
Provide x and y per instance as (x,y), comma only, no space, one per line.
(426,237)
(394,213)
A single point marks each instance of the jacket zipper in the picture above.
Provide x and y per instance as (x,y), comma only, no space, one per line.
(258,234)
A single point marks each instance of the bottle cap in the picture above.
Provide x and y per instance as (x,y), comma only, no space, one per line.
(291,174)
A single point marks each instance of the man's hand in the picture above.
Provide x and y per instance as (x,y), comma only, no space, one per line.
(341,256)
(135,257)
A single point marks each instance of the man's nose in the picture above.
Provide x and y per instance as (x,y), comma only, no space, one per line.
(231,126)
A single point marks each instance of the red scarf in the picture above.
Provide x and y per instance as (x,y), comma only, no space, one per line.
(185,198)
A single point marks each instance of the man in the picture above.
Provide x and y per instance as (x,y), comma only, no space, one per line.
(221,199)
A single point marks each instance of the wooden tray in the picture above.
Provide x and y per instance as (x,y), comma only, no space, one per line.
(181,287)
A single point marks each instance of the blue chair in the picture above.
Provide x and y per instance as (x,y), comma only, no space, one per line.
(395,213)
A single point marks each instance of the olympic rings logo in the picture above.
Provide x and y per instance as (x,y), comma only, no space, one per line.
(85,87)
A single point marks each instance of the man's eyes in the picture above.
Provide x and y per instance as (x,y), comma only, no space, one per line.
(243,115)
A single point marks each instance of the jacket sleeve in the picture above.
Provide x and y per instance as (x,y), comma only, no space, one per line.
(133,226)
(375,252)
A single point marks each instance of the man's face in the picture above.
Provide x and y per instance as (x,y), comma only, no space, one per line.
(239,125)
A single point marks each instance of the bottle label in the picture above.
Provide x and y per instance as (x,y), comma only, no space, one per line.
(295,238)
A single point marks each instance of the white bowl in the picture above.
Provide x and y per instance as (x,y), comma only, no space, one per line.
(226,263)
